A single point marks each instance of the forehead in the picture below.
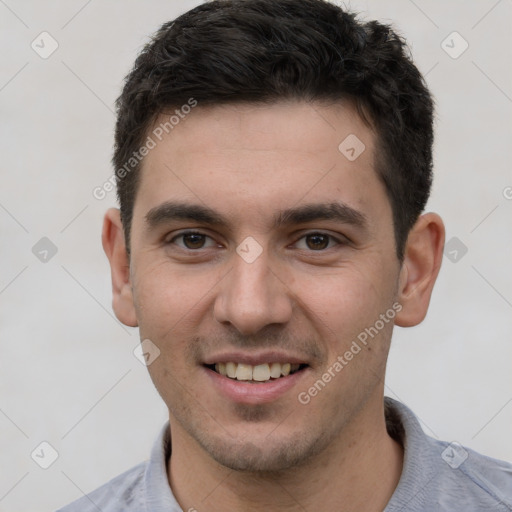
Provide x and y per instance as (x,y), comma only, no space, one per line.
(282,126)
(251,160)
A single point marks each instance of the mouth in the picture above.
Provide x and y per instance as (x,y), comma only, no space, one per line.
(256,374)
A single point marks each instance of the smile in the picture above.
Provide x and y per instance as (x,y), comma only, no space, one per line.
(265,372)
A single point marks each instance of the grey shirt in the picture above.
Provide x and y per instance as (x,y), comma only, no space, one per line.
(436,476)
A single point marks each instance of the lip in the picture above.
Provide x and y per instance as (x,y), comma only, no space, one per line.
(242,392)
(255,359)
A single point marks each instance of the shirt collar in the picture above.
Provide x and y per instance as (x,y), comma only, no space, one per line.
(421,457)
(158,494)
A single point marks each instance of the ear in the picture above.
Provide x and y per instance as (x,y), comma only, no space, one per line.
(114,246)
(422,261)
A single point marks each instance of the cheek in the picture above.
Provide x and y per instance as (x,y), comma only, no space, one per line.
(168,305)
(170,302)
(160,287)
(342,305)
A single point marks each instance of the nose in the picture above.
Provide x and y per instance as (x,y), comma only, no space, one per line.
(253,296)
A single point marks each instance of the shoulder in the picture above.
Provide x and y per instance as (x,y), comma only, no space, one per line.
(443,476)
(124,492)
(476,478)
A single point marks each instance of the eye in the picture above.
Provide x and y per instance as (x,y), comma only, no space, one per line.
(317,241)
(192,240)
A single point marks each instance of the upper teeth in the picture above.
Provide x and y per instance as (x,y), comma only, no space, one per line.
(260,372)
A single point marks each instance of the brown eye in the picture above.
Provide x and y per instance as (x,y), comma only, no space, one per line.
(317,241)
(193,240)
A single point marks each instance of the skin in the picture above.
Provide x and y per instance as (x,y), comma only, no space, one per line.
(305,296)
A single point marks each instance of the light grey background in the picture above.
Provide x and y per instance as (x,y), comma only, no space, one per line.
(68,375)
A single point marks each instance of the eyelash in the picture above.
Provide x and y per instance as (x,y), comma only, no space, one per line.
(185,233)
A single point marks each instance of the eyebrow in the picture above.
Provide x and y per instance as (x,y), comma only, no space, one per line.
(171,210)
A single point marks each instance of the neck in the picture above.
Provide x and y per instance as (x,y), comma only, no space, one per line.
(359,471)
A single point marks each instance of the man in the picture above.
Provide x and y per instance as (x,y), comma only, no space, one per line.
(273,160)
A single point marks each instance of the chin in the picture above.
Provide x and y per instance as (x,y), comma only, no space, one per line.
(265,455)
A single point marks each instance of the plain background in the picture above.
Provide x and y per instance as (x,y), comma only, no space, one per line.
(68,375)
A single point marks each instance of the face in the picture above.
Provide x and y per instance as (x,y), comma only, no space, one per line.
(260,248)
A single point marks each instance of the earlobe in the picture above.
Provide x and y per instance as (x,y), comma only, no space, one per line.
(420,268)
(115,248)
